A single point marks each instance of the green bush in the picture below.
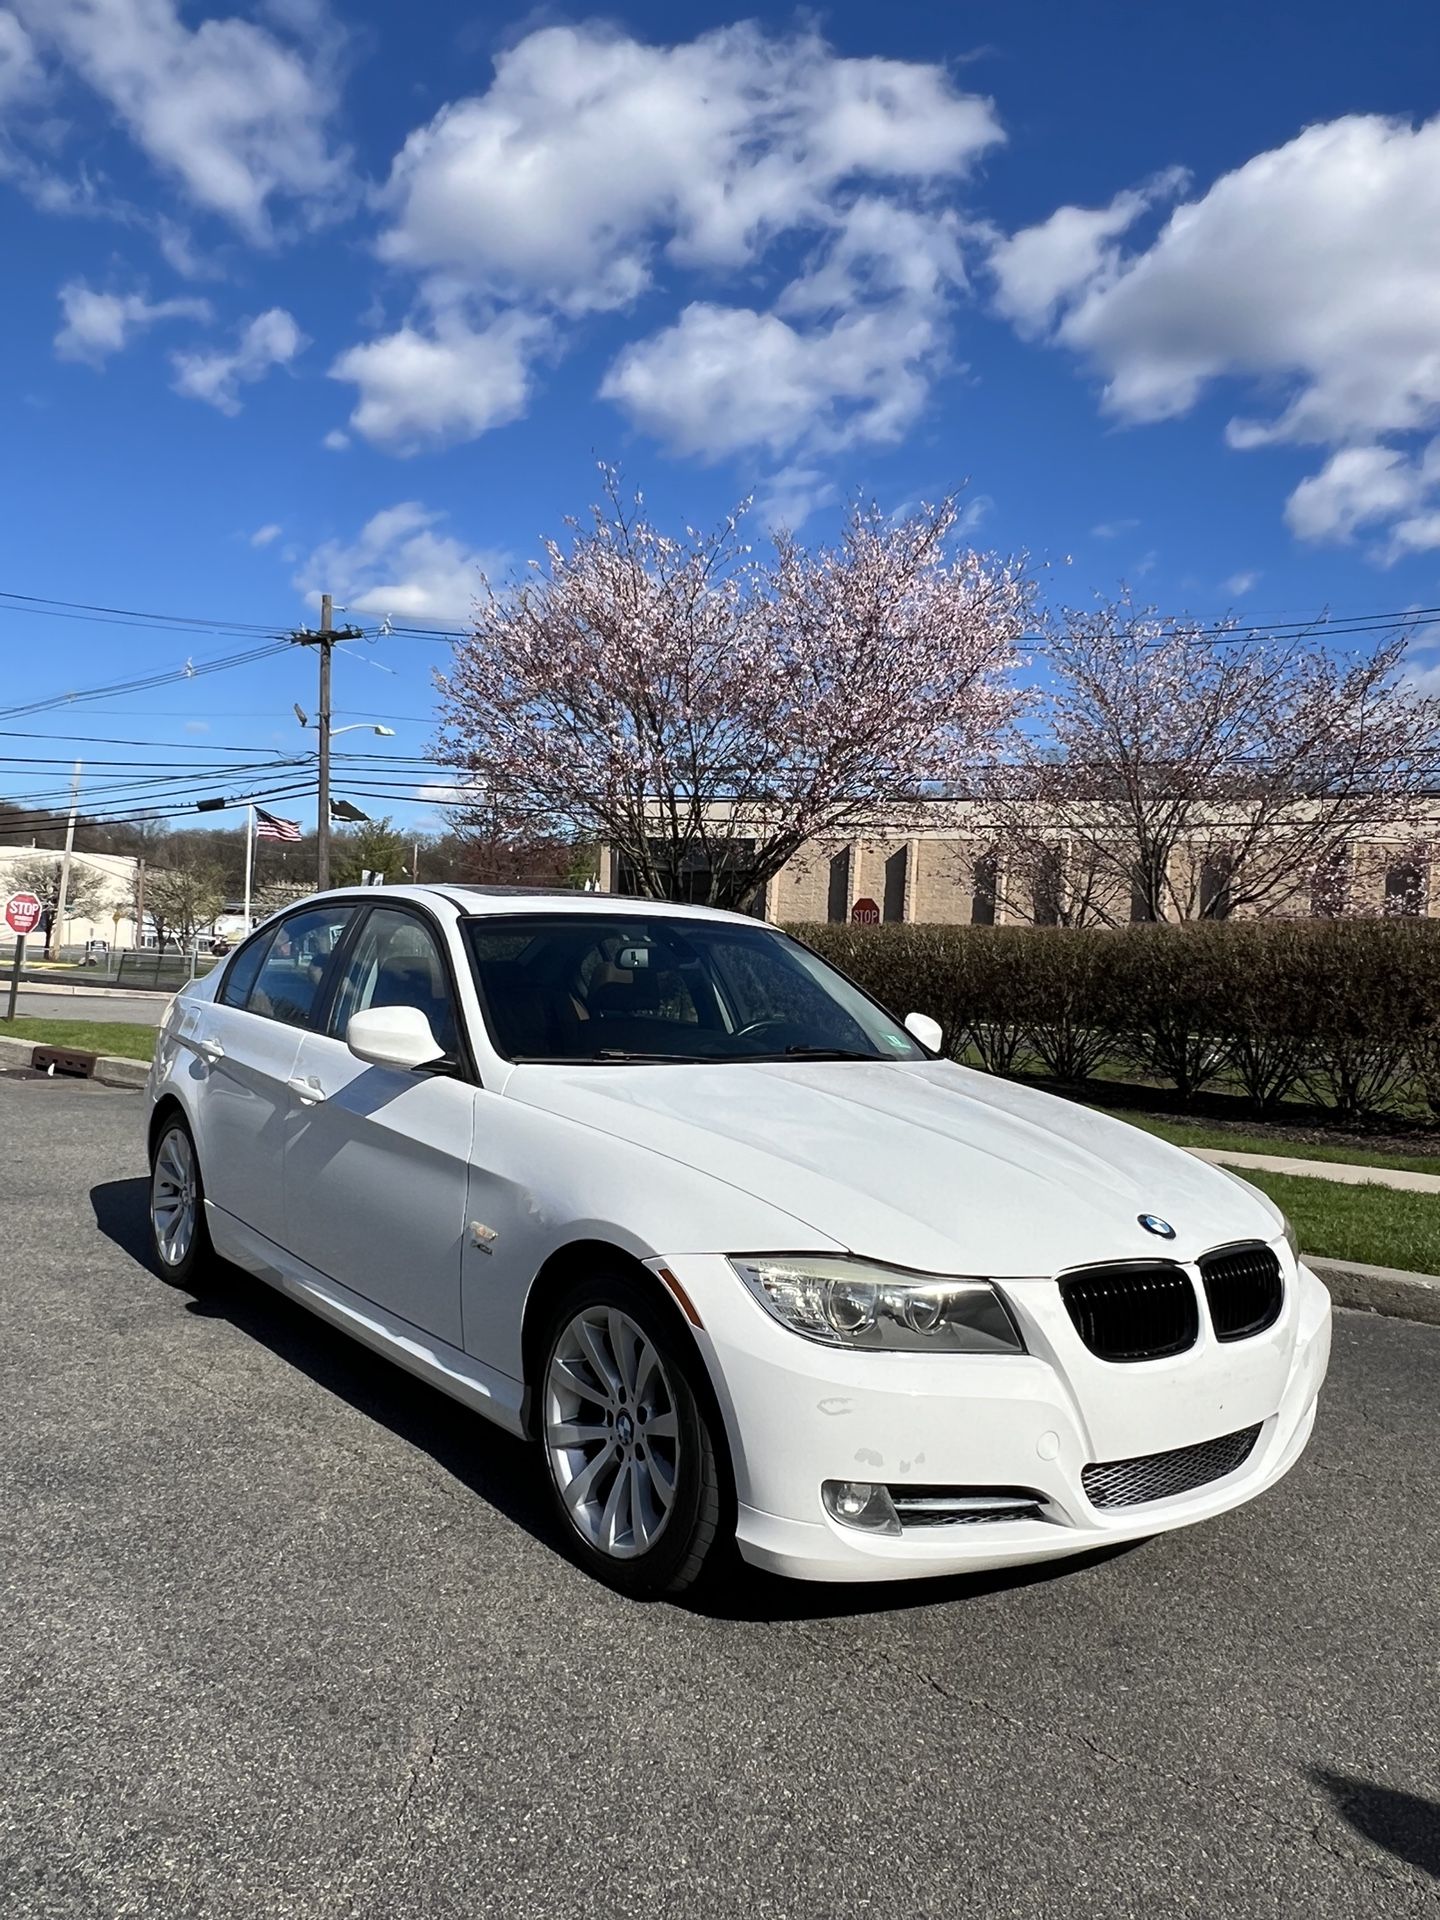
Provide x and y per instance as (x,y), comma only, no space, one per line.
(1347,1010)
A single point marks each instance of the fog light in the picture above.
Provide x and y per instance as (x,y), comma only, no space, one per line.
(860,1503)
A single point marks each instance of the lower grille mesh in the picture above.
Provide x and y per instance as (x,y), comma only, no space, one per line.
(1160,1476)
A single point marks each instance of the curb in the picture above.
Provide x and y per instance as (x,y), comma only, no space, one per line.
(1388,1290)
(111,1070)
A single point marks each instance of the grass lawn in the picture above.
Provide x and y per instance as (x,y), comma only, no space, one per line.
(1185,1134)
(1373,1224)
(131,1042)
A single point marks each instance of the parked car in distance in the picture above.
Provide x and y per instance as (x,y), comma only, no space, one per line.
(660,1190)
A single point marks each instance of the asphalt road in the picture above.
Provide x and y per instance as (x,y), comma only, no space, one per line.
(143,1009)
(283,1633)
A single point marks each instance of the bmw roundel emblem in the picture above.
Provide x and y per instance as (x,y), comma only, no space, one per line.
(1152,1223)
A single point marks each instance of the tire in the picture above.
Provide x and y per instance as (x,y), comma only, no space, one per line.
(178,1231)
(634,1455)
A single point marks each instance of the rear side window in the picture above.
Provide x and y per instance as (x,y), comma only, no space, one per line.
(241,974)
(287,984)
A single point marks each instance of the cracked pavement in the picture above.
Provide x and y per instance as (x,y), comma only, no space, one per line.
(286,1633)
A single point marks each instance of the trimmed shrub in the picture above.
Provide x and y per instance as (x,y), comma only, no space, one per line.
(1347,1010)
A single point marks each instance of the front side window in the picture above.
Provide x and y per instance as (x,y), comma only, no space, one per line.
(597,987)
(289,979)
(396,962)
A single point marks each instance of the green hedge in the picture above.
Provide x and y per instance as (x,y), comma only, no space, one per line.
(1345,1013)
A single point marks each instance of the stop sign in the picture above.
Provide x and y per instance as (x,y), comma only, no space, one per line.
(22,913)
(865,913)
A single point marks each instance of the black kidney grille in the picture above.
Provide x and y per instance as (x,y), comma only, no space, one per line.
(1160,1476)
(1244,1289)
(1136,1310)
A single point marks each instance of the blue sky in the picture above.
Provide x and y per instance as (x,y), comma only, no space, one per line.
(308,294)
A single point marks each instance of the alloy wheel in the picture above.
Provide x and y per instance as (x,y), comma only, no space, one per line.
(612,1432)
(174,1197)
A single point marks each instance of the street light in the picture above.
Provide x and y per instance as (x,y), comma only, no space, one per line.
(356,726)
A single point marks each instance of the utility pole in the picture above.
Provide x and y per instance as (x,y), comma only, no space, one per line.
(140,901)
(324,637)
(57,925)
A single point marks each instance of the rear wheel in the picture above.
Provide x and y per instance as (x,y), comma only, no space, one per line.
(632,1459)
(177,1205)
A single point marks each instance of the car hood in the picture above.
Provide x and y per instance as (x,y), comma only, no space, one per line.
(923,1164)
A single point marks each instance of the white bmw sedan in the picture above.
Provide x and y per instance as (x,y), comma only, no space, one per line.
(657,1188)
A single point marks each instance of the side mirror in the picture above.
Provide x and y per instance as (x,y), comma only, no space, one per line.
(928,1032)
(393,1037)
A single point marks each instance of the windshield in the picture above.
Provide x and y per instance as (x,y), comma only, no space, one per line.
(608,988)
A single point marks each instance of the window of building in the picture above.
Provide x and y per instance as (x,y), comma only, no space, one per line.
(1046,889)
(1404,887)
(1330,888)
(897,869)
(837,901)
(1215,878)
(984,889)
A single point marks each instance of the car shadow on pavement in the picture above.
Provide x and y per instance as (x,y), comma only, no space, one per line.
(503,1471)
(1401,1823)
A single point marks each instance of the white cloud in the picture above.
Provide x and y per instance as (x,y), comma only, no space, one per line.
(591,151)
(234,113)
(1313,270)
(335,441)
(270,340)
(98,324)
(1041,266)
(197,726)
(266,535)
(1239,584)
(790,496)
(19,69)
(1358,487)
(593,159)
(726,378)
(1112,529)
(400,563)
(447,382)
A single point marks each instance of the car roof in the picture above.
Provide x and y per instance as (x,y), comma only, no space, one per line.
(496,900)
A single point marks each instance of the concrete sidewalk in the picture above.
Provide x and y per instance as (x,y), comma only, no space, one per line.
(1343,1173)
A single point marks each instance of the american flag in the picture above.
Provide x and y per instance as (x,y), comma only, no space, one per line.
(269,826)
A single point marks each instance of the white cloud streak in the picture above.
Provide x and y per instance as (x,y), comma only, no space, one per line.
(98,324)
(236,115)
(400,563)
(270,340)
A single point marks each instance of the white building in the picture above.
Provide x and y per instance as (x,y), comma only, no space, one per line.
(114,875)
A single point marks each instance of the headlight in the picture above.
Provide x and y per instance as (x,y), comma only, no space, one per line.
(851,1303)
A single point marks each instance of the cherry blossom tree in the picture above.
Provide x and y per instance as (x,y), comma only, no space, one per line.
(1174,774)
(706,712)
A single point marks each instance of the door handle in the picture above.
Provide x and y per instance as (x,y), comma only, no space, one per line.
(308,1091)
(210,1050)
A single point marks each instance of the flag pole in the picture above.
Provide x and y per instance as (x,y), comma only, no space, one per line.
(249,859)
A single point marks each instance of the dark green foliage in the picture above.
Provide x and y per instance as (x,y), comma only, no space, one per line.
(1346,1010)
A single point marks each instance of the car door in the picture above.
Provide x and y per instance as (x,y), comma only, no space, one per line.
(246,1041)
(376,1158)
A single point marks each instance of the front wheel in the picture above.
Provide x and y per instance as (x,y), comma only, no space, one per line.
(177,1205)
(632,1460)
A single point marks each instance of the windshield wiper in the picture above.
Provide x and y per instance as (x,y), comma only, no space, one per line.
(818,1053)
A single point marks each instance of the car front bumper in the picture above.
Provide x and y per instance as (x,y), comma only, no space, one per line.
(798,1413)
